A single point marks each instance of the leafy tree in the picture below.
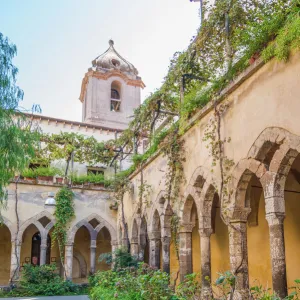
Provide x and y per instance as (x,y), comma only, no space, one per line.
(68,145)
(18,138)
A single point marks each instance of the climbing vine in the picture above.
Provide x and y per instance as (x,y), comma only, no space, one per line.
(64,212)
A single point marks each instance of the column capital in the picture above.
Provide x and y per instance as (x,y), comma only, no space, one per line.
(16,242)
(186,228)
(93,243)
(205,232)
(69,244)
(240,215)
(43,246)
(275,218)
(166,240)
(134,240)
(154,235)
(114,243)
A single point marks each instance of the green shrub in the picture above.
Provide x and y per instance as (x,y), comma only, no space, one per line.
(131,284)
(89,178)
(47,171)
(43,281)
(29,173)
(120,259)
(190,288)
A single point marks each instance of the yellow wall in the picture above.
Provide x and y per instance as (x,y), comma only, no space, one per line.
(5,253)
(292,230)
(219,248)
(196,257)
(259,250)
(174,263)
(103,246)
(81,246)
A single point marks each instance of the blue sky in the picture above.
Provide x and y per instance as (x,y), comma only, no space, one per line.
(58,39)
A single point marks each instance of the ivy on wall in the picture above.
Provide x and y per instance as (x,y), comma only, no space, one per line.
(64,212)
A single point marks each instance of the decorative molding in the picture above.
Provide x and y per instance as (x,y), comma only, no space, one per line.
(105,76)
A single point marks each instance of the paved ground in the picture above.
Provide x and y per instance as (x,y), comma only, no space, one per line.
(54,298)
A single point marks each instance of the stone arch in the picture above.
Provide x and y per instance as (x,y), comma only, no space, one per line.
(93,231)
(9,225)
(82,223)
(158,205)
(241,176)
(82,264)
(186,216)
(35,221)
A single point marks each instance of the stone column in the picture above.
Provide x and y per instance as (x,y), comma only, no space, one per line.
(114,247)
(15,261)
(206,291)
(93,256)
(134,247)
(43,252)
(277,247)
(154,239)
(239,255)
(165,242)
(185,250)
(68,261)
(142,243)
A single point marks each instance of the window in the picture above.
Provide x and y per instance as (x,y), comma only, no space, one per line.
(95,171)
(36,249)
(115,96)
(37,165)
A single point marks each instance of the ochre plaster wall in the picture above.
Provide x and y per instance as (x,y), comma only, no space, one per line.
(5,254)
(219,248)
(196,257)
(259,249)
(252,107)
(82,247)
(292,229)
(174,263)
(103,246)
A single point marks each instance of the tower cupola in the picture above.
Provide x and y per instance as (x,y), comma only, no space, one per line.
(110,90)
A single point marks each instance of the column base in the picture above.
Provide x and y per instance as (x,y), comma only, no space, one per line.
(241,295)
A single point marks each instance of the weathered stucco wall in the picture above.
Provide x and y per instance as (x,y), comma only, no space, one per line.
(267,101)
(93,220)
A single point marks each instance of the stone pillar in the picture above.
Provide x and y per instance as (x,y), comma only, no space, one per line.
(15,261)
(114,247)
(277,247)
(68,261)
(165,242)
(239,255)
(154,239)
(43,252)
(206,291)
(142,243)
(185,250)
(93,256)
(134,247)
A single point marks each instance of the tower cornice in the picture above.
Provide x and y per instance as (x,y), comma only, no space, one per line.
(105,76)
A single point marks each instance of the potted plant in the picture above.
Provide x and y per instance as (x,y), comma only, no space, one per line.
(96,180)
(46,173)
(29,175)
(59,179)
(78,180)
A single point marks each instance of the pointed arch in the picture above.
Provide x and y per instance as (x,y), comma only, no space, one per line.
(35,221)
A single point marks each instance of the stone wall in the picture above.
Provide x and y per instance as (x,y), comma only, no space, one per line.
(263,126)
(91,232)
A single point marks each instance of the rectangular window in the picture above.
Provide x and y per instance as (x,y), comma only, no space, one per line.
(95,171)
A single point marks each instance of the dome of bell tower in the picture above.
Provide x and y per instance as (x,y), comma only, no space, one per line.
(112,60)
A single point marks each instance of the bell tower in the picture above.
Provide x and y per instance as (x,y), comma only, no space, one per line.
(110,90)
